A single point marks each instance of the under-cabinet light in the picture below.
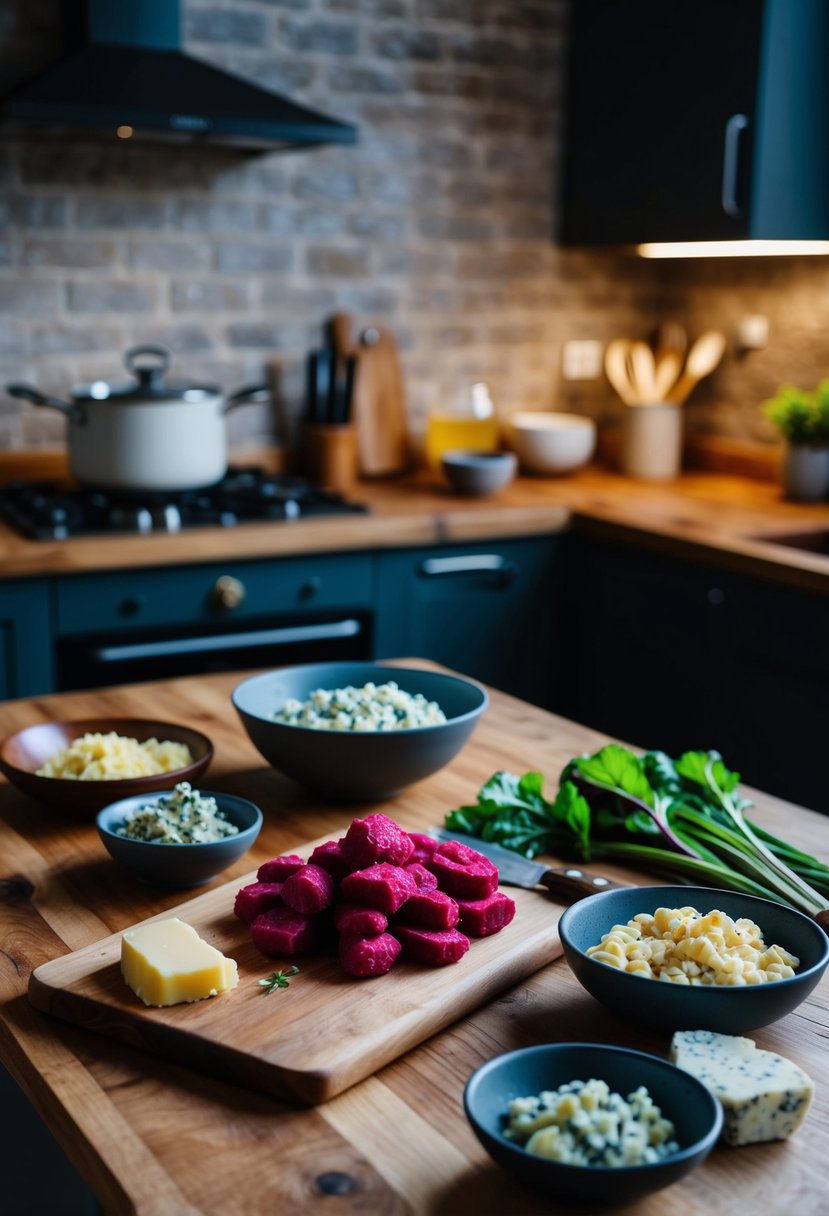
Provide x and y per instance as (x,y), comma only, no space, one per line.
(730,249)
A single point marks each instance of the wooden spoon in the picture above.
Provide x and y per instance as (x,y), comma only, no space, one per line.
(703,357)
(641,371)
(615,366)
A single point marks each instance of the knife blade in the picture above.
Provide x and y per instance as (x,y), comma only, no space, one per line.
(569,883)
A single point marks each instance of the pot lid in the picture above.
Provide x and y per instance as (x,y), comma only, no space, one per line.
(149,365)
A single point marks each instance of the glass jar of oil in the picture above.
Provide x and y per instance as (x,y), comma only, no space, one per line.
(472,426)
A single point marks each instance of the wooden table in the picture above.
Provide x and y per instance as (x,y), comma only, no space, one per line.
(155,1138)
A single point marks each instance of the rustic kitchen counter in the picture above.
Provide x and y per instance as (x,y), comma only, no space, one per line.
(712,515)
(155,1138)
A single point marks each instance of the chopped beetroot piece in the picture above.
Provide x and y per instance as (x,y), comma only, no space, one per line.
(376,839)
(382,886)
(357,921)
(432,946)
(367,956)
(463,872)
(424,847)
(330,857)
(430,910)
(309,890)
(256,898)
(483,917)
(279,868)
(282,932)
(424,878)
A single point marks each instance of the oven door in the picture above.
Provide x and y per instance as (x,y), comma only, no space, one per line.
(99,660)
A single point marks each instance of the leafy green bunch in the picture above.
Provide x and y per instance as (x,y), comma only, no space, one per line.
(801,417)
(681,817)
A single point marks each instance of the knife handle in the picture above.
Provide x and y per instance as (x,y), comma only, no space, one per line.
(571,883)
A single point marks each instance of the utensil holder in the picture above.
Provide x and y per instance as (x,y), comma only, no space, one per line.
(652,441)
(330,456)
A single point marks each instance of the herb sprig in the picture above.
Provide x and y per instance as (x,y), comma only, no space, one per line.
(682,816)
(279,979)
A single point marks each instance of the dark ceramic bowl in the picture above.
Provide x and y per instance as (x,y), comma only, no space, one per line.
(179,865)
(350,766)
(23,753)
(642,1001)
(479,473)
(695,1113)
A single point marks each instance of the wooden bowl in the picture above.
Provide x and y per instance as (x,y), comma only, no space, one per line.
(21,754)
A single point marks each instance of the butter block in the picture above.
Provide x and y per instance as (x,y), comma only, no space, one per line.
(166,963)
(763,1095)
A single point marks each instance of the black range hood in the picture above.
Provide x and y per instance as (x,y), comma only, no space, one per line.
(123,75)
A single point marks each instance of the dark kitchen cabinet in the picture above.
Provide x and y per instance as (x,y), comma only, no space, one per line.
(676,655)
(486,610)
(26,658)
(696,120)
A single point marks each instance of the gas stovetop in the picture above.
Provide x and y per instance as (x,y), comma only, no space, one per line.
(50,510)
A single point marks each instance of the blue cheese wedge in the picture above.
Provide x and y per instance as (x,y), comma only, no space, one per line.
(763,1095)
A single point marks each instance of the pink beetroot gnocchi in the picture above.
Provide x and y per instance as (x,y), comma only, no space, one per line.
(309,890)
(462,872)
(438,894)
(377,839)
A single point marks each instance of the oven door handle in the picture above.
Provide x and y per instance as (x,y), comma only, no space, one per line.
(284,636)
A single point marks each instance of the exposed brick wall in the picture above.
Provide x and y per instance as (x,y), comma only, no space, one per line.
(439,220)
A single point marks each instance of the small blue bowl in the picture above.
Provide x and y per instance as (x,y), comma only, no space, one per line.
(350,765)
(694,1111)
(639,1000)
(179,865)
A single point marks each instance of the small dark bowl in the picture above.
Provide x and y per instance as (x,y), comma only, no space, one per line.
(26,751)
(179,865)
(347,765)
(642,1001)
(479,473)
(695,1113)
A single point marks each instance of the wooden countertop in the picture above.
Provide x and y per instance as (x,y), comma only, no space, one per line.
(701,514)
(160,1140)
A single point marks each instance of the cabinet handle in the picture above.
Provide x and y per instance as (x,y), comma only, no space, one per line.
(230,641)
(228,593)
(476,563)
(734,128)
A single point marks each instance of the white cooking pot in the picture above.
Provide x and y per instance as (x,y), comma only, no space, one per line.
(146,434)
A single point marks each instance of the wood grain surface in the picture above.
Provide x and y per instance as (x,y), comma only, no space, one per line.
(329,1033)
(707,516)
(155,1137)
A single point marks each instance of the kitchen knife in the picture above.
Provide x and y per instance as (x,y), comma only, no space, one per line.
(568,883)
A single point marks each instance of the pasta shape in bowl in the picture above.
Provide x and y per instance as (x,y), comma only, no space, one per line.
(721,960)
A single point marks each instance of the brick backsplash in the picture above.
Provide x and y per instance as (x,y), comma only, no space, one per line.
(438,221)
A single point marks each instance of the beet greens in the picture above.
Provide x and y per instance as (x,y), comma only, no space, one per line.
(682,817)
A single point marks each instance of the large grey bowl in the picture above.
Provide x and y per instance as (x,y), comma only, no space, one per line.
(639,1000)
(349,766)
(695,1113)
(179,865)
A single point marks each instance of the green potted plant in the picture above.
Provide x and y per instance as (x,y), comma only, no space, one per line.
(802,418)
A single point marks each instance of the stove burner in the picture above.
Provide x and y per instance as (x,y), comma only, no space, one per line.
(48,510)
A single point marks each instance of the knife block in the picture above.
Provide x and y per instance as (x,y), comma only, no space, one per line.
(329,456)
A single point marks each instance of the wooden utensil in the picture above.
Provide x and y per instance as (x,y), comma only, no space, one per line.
(643,372)
(703,357)
(312,1042)
(379,404)
(616,369)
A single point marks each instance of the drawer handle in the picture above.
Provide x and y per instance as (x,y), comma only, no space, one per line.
(228,593)
(477,563)
(285,636)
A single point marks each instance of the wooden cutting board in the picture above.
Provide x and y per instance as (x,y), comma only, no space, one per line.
(379,400)
(312,1040)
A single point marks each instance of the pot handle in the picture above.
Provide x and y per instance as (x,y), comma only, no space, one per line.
(25,391)
(251,392)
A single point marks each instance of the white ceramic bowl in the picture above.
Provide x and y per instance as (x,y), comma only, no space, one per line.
(552,443)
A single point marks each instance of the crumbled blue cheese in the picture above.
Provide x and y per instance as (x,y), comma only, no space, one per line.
(183,817)
(763,1095)
(584,1123)
(374,707)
